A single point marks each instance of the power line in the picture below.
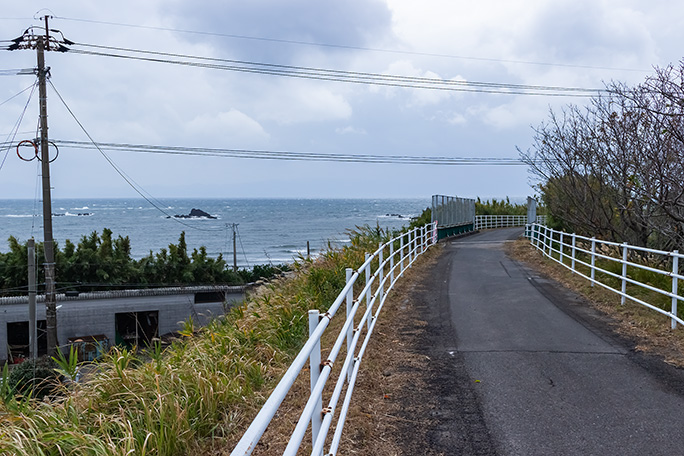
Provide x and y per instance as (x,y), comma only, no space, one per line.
(16,95)
(355,48)
(290,156)
(292,71)
(324,74)
(13,134)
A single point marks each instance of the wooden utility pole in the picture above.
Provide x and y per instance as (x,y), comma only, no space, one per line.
(48,242)
(41,43)
(235,268)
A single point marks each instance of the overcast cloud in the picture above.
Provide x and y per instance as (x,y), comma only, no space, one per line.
(565,43)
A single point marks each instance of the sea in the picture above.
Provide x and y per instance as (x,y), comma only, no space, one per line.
(268,231)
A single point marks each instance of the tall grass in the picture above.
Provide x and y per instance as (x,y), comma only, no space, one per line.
(203,387)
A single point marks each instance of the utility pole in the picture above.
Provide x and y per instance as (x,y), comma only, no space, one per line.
(33,334)
(43,43)
(235,268)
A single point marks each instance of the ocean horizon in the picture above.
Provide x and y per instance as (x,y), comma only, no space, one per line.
(270,230)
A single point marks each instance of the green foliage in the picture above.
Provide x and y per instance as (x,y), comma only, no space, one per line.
(423,219)
(262,271)
(67,366)
(102,262)
(167,401)
(34,378)
(7,390)
(502,207)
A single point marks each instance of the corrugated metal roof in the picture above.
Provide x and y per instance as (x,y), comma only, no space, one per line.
(130,293)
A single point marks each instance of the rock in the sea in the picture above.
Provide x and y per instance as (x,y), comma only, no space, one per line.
(196,213)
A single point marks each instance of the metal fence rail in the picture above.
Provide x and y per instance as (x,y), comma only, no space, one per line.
(580,254)
(485,222)
(390,261)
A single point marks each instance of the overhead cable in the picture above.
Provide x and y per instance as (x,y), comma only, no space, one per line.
(292,156)
(335,75)
(13,134)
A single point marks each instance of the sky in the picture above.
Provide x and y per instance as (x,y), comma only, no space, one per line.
(560,43)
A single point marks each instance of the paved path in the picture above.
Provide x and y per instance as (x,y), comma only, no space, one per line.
(549,379)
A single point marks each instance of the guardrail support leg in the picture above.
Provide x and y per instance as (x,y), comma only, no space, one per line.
(391,247)
(593,261)
(381,273)
(350,331)
(315,372)
(401,253)
(412,246)
(625,252)
(574,240)
(675,272)
(560,248)
(369,294)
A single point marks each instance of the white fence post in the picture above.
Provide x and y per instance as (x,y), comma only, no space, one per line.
(401,252)
(574,240)
(675,272)
(391,252)
(419,242)
(350,330)
(315,372)
(560,248)
(381,273)
(412,244)
(593,260)
(624,273)
(368,290)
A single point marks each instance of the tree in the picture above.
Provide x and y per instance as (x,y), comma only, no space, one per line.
(614,168)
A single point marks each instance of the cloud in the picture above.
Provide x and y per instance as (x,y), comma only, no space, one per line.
(297,103)
(232,125)
(416,97)
(457,119)
(353,23)
(349,130)
(152,103)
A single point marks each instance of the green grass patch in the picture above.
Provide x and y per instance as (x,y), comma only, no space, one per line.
(174,400)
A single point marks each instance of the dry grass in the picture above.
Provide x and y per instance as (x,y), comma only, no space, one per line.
(649,329)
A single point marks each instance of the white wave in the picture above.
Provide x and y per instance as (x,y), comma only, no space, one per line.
(396,216)
(20,215)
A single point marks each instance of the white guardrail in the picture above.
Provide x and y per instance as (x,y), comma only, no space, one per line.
(582,252)
(485,222)
(377,284)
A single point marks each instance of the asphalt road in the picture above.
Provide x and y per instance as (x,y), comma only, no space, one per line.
(548,376)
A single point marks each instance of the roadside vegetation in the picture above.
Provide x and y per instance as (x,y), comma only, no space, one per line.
(187,397)
(613,169)
(502,207)
(102,262)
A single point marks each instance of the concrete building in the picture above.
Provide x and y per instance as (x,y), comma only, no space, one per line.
(130,317)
